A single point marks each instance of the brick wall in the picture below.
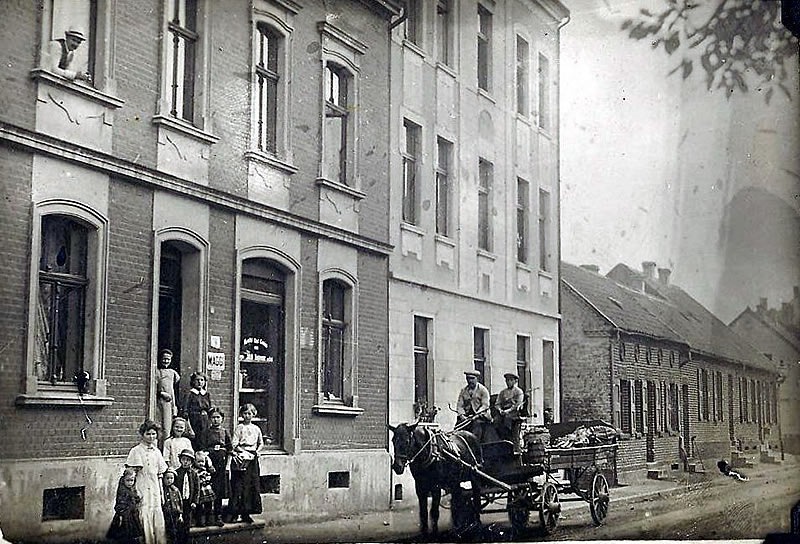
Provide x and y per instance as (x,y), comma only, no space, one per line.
(137,70)
(19,41)
(15,208)
(585,370)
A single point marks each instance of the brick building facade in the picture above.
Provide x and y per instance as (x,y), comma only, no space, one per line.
(219,188)
(474,203)
(641,353)
(776,333)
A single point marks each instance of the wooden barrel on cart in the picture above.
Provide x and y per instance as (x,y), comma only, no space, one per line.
(534,443)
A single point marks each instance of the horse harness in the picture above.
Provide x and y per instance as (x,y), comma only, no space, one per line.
(439,443)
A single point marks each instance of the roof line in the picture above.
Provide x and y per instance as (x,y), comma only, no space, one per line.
(587,301)
(794,342)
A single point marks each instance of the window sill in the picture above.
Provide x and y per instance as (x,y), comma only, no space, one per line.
(414,47)
(270,160)
(186,128)
(444,240)
(341,187)
(40,74)
(447,69)
(546,133)
(523,266)
(484,93)
(331,409)
(62,398)
(545,274)
(523,118)
(412,228)
(487,254)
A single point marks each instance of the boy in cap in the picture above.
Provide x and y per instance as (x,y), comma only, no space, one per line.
(473,402)
(508,420)
(62,56)
(188,484)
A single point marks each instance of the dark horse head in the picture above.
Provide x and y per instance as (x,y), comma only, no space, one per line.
(437,460)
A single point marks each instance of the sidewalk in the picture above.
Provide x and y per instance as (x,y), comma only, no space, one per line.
(402,522)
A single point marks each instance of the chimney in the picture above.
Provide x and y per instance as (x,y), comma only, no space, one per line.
(796,292)
(591,268)
(787,313)
(762,305)
(649,269)
(663,275)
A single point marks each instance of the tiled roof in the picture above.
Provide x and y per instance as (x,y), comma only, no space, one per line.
(667,312)
(787,334)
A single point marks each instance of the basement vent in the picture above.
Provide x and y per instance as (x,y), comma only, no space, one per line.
(398,492)
(63,503)
(339,479)
(271,484)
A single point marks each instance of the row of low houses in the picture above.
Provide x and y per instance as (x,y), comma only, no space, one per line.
(330,207)
(640,352)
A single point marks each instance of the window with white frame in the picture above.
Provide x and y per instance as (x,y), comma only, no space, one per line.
(335,337)
(422,363)
(485,181)
(267,76)
(414,21)
(444,175)
(523,92)
(544,225)
(523,220)
(480,352)
(523,361)
(410,152)
(78,18)
(338,122)
(67,304)
(61,307)
(484,48)
(182,53)
(544,93)
(444,31)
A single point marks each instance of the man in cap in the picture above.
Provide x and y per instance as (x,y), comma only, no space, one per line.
(473,402)
(508,420)
(62,56)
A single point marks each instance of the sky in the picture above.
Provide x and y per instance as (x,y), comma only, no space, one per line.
(655,168)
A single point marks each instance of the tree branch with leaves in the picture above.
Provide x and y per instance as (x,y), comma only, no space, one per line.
(734,41)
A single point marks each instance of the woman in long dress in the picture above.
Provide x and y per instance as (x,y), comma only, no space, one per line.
(150,466)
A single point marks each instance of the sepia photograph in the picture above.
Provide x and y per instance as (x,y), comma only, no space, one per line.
(330,271)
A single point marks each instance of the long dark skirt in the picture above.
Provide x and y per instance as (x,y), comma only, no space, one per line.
(126,528)
(219,480)
(245,490)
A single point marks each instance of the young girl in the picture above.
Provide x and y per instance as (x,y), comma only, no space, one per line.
(176,443)
(205,499)
(173,509)
(167,380)
(151,466)
(126,527)
(245,484)
(196,407)
(217,442)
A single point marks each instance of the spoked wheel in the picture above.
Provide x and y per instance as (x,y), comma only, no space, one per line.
(518,512)
(599,499)
(549,508)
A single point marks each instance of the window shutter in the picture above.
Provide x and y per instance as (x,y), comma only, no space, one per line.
(645,386)
(616,411)
(658,425)
(632,404)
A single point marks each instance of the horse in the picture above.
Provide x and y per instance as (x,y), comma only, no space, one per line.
(422,449)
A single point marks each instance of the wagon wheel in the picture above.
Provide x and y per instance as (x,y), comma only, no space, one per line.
(518,512)
(599,499)
(549,508)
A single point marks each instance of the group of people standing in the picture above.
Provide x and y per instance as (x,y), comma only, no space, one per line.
(475,414)
(164,492)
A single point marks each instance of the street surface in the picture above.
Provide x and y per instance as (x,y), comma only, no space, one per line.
(715,507)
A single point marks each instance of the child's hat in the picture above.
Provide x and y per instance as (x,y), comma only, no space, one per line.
(187,453)
(170,470)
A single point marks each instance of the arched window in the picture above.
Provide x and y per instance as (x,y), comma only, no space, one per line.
(335,295)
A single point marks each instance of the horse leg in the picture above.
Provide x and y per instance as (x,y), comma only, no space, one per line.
(436,498)
(422,497)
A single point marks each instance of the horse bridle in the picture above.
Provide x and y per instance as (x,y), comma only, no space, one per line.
(429,460)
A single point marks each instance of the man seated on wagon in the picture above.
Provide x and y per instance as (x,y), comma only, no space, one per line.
(473,402)
(508,419)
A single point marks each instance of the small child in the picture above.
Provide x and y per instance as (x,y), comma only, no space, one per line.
(126,527)
(202,461)
(217,442)
(173,509)
(245,483)
(167,380)
(187,482)
(176,443)
(205,500)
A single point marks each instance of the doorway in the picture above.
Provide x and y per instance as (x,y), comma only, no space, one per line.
(262,346)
